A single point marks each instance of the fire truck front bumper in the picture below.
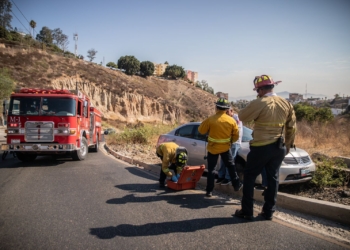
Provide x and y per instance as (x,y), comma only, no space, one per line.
(38,147)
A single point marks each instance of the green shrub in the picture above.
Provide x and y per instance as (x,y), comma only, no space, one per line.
(304,111)
(330,173)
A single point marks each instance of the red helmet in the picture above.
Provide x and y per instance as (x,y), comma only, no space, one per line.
(263,80)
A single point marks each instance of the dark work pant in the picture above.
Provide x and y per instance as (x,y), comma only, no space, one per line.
(212,159)
(163,176)
(270,157)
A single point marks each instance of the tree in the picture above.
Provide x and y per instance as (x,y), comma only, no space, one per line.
(112,65)
(324,114)
(205,85)
(6,84)
(60,39)
(130,64)
(5,16)
(146,68)
(81,57)
(174,72)
(45,35)
(32,24)
(198,84)
(210,90)
(91,54)
(306,112)
(166,62)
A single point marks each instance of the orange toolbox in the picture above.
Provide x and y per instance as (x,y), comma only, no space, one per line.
(189,177)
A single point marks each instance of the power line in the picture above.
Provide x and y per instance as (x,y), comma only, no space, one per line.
(19,10)
(22,15)
(20,22)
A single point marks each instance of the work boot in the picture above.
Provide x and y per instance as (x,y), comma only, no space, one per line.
(219,180)
(225,182)
(237,185)
(161,185)
(265,216)
(241,214)
(209,194)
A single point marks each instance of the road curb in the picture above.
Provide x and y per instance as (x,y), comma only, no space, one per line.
(324,209)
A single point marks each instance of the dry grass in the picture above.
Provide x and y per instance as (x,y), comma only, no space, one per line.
(31,67)
(331,139)
(137,141)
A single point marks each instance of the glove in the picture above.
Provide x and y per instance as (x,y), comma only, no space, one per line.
(178,176)
(174,178)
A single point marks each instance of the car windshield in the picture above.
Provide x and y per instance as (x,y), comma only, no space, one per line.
(45,106)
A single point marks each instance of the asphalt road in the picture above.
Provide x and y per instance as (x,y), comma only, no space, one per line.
(103,203)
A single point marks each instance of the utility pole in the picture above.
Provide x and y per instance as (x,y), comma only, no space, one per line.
(306,92)
(75,37)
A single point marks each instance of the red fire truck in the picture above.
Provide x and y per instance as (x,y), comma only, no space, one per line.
(43,121)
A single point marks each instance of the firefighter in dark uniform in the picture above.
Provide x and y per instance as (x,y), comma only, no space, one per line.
(273,136)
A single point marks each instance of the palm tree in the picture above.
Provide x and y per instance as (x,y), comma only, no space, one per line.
(32,24)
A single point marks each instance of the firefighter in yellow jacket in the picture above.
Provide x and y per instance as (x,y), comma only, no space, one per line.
(222,132)
(273,136)
(173,157)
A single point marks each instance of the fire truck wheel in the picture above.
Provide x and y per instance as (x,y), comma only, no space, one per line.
(26,157)
(80,154)
(95,148)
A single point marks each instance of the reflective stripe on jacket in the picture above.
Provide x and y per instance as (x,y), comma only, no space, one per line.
(270,114)
(167,150)
(222,131)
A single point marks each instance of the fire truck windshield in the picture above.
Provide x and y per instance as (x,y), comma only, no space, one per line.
(45,106)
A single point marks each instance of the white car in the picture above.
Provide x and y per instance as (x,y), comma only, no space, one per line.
(297,166)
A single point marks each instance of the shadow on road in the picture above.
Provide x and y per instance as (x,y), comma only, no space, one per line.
(190,201)
(140,172)
(139,188)
(41,161)
(152,229)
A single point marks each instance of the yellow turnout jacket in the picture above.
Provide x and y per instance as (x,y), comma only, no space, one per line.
(222,132)
(270,114)
(167,150)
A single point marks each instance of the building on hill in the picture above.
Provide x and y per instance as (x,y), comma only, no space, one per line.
(312,101)
(222,95)
(159,68)
(340,103)
(295,97)
(241,104)
(191,76)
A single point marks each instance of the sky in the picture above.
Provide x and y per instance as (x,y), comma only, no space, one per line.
(303,43)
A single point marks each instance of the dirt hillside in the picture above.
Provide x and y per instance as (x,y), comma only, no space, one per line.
(118,96)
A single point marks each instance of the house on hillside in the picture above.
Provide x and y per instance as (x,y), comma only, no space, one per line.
(159,68)
(222,95)
(191,76)
(336,112)
(295,97)
(312,101)
(240,104)
(340,103)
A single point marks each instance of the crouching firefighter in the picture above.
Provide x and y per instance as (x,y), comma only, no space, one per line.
(173,157)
